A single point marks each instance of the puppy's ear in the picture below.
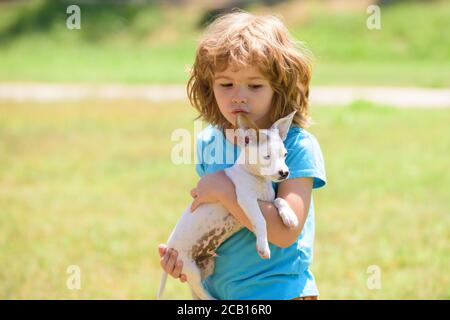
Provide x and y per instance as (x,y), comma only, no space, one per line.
(283,125)
(246,137)
(247,130)
(244,122)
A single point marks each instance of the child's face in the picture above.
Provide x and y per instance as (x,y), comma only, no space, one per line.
(243,91)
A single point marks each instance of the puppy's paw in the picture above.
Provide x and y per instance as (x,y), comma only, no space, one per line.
(265,254)
(263,250)
(288,216)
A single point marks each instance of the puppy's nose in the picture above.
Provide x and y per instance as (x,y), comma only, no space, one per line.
(283,174)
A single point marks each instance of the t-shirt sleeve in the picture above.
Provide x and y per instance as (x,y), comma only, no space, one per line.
(199,167)
(305,158)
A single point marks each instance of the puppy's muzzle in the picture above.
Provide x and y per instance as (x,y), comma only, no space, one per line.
(283,174)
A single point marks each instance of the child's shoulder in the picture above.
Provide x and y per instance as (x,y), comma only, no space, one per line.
(209,134)
(305,157)
(298,137)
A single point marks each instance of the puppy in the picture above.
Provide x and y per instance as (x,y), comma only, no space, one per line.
(198,234)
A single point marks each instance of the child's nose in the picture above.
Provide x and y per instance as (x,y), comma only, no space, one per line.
(239,95)
(239,100)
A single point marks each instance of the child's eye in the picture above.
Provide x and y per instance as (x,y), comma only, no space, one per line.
(226,85)
(256,86)
(267,157)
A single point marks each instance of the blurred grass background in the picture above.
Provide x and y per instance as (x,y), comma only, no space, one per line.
(154,41)
(91,183)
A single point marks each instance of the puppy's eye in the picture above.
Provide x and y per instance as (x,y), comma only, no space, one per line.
(267,157)
(285,155)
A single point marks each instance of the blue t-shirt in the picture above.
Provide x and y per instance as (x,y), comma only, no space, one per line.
(240,273)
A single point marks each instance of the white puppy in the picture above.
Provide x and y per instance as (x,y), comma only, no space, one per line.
(197,235)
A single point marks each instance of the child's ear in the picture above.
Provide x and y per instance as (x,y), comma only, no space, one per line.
(283,125)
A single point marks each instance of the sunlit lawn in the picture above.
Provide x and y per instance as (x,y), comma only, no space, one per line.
(129,43)
(91,184)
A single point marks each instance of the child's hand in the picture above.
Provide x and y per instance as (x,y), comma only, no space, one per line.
(209,188)
(170,264)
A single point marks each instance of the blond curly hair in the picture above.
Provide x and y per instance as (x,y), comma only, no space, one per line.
(239,39)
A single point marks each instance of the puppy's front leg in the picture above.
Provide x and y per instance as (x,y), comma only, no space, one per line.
(253,212)
(286,213)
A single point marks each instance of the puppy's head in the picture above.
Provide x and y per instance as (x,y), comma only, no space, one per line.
(264,151)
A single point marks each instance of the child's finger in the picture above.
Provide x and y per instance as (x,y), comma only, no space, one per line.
(194,205)
(172,261)
(183,277)
(162,248)
(164,260)
(177,271)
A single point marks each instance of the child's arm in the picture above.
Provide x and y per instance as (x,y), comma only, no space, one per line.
(297,192)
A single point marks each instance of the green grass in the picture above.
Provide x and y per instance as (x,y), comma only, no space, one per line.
(91,184)
(154,44)
(413,31)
